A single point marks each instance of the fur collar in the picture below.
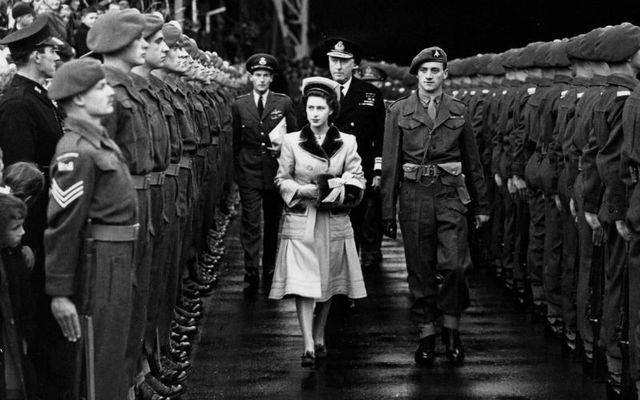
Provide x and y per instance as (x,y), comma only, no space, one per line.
(331,144)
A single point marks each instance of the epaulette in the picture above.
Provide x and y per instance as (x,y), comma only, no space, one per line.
(397,100)
(279,94)
(242,95)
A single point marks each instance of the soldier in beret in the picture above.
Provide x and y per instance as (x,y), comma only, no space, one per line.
(260,118)
(91,298)
(362,115)
(440,182)
(31,127)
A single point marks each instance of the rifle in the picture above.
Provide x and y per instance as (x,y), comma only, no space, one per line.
(594,313)
(85,351)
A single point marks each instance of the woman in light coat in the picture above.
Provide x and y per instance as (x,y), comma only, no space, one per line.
(320,178)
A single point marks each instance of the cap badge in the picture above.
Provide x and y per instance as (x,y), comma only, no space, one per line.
(436,53)
(339,46)
(263,61)
(368,71)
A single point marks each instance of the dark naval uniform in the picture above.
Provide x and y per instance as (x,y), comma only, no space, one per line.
(256,166)
(430,183)
(87,166)
(362,114)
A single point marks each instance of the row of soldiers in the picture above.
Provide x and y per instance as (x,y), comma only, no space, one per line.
(137,152)
(556,124)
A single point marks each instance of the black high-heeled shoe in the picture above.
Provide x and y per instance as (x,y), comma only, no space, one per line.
(308,359)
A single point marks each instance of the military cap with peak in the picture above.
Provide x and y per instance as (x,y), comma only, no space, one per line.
(28,39)
(75,77)
(430,54)
(373,73)
(171,33)
(20,9)
(115,31)
(342,48)
(153,22)
(261,61)
(326,85)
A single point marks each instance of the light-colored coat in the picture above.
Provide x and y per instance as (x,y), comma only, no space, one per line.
(317,256)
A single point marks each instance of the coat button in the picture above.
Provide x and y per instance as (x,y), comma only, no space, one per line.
(262,133)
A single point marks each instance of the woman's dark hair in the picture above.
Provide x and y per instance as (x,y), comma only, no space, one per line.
(329,96)
(25,180)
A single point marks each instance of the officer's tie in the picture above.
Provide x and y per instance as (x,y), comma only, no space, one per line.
(341,94)
(260,105)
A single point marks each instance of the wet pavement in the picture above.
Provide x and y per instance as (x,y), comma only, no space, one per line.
(249,347)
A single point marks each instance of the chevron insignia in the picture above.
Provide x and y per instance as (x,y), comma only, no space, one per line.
(66,197)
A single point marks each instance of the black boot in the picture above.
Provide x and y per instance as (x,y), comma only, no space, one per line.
(426,352)
(453,346)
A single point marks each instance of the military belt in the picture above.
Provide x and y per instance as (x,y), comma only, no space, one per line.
(114,233)
(415,173)
(140,182)
(156,178)
(172,170)
(186,162)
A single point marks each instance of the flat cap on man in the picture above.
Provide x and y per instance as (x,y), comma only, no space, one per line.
(153,22)
(28,39)
(115,31)
(373,73)
(342,48)
(171,33)
(618,43)
(430,54)
(261,61)
(75,77)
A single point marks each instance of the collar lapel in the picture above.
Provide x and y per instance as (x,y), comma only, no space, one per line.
(269,105)
(443,112)
(332,142)
(251,106)
(309,144)
(351,99)
(420,113)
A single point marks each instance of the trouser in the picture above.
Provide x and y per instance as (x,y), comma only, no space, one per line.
(434,228)
(615,263)
(254,203)
(496,228)
(509,235)
(372,228)
(142,276)
(357,216)
(112,311)
(570,266)
(535,247)
(586,255)
(520,246)
(552,264)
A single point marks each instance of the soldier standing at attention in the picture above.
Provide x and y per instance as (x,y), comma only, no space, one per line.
(258,116)
(86,168)
(429,150)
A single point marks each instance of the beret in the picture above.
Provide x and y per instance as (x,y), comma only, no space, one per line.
(435,54)
(21,9)
(326,85)
(373,73)
(455,68)
(342,48)
(75,77)
(153,22)
(509,58)
(494,66)
(573,47)
(193,50)
(171,33)
(115,30)
(618,43)
(541,55)
(586,46)
(526,57)
(261,61)
(34,35)
(557,56)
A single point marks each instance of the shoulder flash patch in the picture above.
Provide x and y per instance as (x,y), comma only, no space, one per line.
(531,90)
(623,93)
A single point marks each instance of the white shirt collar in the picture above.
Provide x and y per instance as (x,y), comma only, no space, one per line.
(256,96)
(346,86)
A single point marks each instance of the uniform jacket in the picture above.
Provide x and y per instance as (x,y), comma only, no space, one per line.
(631,156)
(362,114)
(601,156)
(30,127)
(256,165)
(499,134)
(89,179)
(406,131)
(128,125)
(184,119)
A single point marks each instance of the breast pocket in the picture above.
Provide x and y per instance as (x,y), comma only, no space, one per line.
(414,134)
